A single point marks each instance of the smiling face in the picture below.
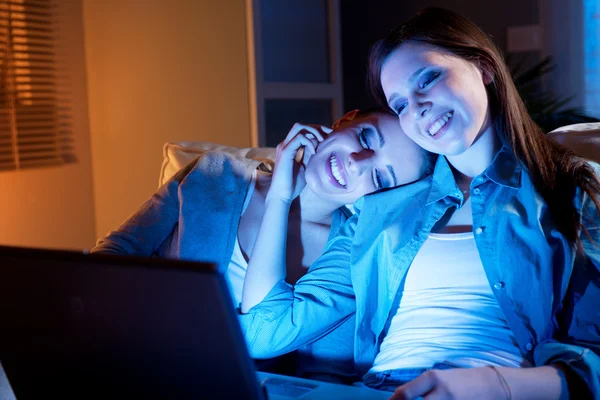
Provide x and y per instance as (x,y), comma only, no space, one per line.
(440,98)
(364,155)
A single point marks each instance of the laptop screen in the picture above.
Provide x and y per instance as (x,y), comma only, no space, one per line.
(79,325)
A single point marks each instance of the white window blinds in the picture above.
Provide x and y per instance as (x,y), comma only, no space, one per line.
(33,132)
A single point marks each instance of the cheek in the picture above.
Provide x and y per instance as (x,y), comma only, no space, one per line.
(476,103)
(363,186)
(310,174)
(409,128)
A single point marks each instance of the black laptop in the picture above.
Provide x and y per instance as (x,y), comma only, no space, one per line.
(75,325)
(88,326)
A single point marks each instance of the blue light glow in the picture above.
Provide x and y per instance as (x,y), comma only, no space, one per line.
(592,56)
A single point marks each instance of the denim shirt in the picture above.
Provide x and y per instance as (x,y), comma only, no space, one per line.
(549,295)
(195,216)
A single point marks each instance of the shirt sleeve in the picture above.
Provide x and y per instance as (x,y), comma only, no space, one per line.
(577,341)
(292,316)
(147,228)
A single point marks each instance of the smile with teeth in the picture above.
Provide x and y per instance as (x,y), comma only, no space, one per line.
(335,170)
(440,123)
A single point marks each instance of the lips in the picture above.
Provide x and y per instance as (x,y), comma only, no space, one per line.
(336,172)
(438,126)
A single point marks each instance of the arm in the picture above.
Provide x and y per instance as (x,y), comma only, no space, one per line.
(290,317)
(567,365)
(576,344)
(267,263)
(146,229)
(539,383)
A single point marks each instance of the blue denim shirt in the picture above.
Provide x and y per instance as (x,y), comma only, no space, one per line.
(549,295)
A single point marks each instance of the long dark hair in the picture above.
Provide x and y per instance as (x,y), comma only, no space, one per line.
(555,171)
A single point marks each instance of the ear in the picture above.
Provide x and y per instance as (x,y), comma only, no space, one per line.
(349,116)
(486,72)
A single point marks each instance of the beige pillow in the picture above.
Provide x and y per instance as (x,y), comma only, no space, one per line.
(178,155)
(582,138)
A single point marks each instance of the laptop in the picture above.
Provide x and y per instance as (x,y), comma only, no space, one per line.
(79,325)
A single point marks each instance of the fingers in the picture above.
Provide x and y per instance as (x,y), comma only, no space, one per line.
(326,129)
(417,388)
(290,149)
(317,132)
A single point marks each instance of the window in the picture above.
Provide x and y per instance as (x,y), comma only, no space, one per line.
(34,129)
(592,56)
(295,66)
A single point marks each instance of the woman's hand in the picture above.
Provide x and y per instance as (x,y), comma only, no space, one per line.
(267,263)
(288,175)
(457,383)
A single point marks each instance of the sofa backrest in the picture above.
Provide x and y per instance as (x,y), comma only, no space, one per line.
(582,138)
(178,155)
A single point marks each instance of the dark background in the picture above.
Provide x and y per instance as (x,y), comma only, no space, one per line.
(364,22)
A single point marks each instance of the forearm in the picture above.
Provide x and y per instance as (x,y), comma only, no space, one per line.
(285,319)
(546,382)
(146,229)
(267,263)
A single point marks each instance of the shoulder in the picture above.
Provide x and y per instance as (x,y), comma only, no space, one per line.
(398,197)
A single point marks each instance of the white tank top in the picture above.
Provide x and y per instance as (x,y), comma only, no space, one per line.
(448,312)
(236,271)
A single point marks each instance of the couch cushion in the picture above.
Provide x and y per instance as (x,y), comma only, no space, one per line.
(177,155)
(582,138)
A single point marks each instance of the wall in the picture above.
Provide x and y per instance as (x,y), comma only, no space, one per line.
(563,38)
(366,21)
(53,207)
(159,71)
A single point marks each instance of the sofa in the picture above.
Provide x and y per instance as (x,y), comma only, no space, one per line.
(584,139)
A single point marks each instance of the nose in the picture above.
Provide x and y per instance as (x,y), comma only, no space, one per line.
(419,107)
(360,161)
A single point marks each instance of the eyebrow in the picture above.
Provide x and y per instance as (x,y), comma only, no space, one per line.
(381,138)
(414,76)
(391,169)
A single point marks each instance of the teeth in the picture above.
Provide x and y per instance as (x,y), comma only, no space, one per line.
(336,171)
(439,124)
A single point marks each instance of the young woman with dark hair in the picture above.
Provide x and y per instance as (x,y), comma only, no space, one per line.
(480,281)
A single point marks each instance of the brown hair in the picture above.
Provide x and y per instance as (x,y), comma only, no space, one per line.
(555,171)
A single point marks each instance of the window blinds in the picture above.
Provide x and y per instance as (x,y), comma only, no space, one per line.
(32,130)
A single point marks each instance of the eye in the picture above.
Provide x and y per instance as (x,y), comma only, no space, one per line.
(377,180)
(364,139)
(401,108)
(430,78)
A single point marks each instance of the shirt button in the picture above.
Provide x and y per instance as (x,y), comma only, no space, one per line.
(476,191)
(528,346)
(479,231)
(499,285)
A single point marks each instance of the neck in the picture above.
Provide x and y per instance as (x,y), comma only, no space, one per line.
(313,208)
(476,158)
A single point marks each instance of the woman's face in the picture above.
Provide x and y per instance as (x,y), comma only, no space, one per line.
(440,98)
(361,156)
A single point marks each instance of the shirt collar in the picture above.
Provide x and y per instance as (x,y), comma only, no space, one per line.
(443,181)
(504,170)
